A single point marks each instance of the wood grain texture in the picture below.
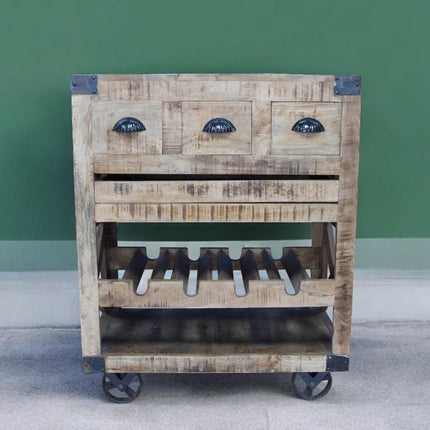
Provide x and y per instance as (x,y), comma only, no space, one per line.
(162,293)
(195,115)
(217,88)
(216,191)
(85,226)
(285,141)
(217,340)
(217,164)
(216,212)
(172,127)
(346,225)
(104,116)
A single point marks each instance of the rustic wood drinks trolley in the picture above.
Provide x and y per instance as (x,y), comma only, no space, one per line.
(215,149)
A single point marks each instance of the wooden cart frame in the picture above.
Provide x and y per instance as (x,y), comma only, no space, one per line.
(174,172)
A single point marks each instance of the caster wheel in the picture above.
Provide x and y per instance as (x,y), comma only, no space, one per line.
(122,387)
(311,386)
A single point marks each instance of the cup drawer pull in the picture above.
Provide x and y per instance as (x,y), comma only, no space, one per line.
(128,124)
(308,125)
(219,125)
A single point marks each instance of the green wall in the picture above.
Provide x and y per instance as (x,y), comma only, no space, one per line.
(43,43)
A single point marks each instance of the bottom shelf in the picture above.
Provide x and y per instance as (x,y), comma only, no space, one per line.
(216,340)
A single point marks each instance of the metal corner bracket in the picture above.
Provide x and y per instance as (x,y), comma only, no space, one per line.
(337,363)
(84,84)
(347,85)
(93,364)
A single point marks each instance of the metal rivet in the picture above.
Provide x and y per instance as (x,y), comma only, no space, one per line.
(337,78)
(74,84)
(93,77)
(357,84)
(337,91)
(94,91)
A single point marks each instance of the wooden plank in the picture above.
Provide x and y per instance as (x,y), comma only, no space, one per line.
(172,127)
(217,294)
(330,243)
(261,128)
(195,115)
(181,269)
(217,88)
(294,269)
(347,219)
(216,191)
(101,251)
(318,241)
(215,212)
(136,268)
(110,241)
(234,363)
(85,226)
(285,141)
(216,164)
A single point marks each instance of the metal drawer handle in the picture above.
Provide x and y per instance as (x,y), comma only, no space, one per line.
(219,125)
(308,125)
(128,124)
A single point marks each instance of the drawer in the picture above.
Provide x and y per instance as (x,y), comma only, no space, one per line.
(197,115)
(104,117)
(213,191)
(286,141)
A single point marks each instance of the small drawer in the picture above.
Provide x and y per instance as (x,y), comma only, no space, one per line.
(105,115)
(196,115)
(286,141)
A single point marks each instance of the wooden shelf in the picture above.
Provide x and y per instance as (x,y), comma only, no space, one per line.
(215,340)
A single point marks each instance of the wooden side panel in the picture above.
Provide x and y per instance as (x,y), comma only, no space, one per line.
(195,115)
(216,191)
(285,141)
(261,128)
(85,227)
(346,224)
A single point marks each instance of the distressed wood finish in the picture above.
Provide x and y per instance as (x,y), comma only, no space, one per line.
(216,191)
(195,115)
(216,212)
(216,164)
(346,225)
(216,294)
(215,313)
(248,341)
(85,227)
(285,141)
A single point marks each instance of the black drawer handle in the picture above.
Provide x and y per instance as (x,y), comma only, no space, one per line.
(128,124)
(308,125)
(219,125)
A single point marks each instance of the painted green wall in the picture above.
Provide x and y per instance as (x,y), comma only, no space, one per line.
(43,43)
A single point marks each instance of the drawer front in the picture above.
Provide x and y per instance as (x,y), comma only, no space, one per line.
(206,191)
(197,115)
(286,141)
(105,115)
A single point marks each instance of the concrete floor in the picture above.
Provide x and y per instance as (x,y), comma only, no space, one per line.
(388,387)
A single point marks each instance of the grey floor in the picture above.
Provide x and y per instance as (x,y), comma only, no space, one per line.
(388,387)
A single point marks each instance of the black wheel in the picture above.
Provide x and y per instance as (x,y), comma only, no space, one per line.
(122,387)
(311,386)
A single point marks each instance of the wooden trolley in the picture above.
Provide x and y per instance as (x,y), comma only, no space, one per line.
(215,149)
